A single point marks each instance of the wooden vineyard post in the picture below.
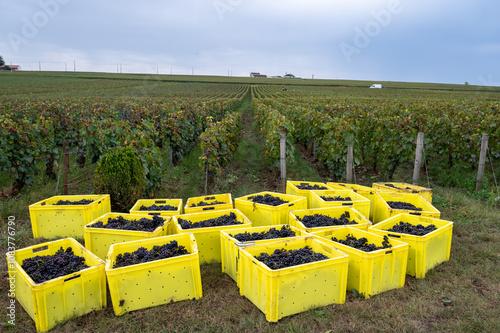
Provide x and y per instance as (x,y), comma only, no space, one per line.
(283,158)
(482,160)
(350,158)
(418,158)
(65,168)
(171,155)
(207,175)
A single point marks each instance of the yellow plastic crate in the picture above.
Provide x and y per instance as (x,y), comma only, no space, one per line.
(208,239)
(262,215)
(149,202)
(287,291)
(365,191)
(358,202)
(383,211)
(335,212)
(370,273)
(156,282)
(226,198)
(426,193)
(60,299)
(99,240)
(425,252)
(292,189)
(230,246)
(49,221)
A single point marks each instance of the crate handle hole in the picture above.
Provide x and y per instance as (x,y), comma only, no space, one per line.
(41,248)
(73,277)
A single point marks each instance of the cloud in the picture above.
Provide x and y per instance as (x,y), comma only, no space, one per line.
(417,42)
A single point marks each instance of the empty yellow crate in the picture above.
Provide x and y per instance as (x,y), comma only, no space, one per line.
(365,191)
(262,215)
(287,291)
(149,202)
(292,189)
(208,239)
(358,202)
(370,273)
(155,282)
(335,212)
(99,240)
(230,246)
(425,252)
(383,211)
(60,299)
(426,193)
(225,198)
(50,221)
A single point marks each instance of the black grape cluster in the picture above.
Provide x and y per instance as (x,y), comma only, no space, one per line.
(229,219)
(306,186)
(157,207)
(267,199)
(69,202)
(282,258)
(408,228)
(272,233)
(320,220)
(203,203)
(337,198)
(143,224)
(44,268)
(362,243)
(172,249)
(399,188)
(403,205)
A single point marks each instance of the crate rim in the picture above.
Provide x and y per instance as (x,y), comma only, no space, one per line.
(416,187)
(366,220)
(400,195)
(359,199)
(152,263)
(251,243)
(244,198)
(247,221)
(106,230)
(58,280)
(416,237)
(137,212)
(362,253)
(292,269)
(39,203)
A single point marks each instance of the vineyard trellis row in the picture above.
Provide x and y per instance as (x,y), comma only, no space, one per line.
(382,131)
(32,130)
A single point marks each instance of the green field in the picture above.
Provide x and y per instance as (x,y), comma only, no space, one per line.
(461,295)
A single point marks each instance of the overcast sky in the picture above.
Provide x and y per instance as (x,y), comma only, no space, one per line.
(448,41)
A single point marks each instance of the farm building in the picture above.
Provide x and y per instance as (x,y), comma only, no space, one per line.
(255,74)
(10,68)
